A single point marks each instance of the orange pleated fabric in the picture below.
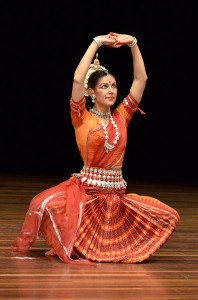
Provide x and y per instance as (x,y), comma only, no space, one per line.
(123,228)
(86,224)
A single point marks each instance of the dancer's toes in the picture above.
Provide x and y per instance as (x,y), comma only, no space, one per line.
(51,253)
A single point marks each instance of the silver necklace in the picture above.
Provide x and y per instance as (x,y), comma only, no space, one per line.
(100,114)
(108,147)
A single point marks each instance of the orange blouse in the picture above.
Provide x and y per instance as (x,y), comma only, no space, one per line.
(90,135)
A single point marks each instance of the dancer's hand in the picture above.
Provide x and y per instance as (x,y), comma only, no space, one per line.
(107,40)
(122,39)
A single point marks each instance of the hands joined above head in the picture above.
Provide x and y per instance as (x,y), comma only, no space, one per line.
(116,40)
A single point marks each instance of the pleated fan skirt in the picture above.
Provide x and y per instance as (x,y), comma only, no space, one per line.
(123,228)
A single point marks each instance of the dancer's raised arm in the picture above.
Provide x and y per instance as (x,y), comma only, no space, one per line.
(139,72)
(81,71)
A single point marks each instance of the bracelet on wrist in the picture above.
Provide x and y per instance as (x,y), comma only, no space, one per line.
(98,42)
(133,43)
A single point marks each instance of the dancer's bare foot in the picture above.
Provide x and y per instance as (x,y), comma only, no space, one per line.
(51,253)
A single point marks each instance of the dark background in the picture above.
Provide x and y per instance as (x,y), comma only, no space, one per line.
(42,46)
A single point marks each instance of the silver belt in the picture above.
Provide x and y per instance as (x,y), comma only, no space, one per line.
(102,177)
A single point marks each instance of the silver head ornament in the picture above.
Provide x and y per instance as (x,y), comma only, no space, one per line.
(93,68)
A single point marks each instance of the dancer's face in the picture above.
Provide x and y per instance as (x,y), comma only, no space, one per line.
(105,92)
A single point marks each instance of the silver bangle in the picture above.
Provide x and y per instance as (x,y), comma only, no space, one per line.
(133,44)
(98,42)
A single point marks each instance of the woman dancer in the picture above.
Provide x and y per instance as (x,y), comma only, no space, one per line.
(89,217)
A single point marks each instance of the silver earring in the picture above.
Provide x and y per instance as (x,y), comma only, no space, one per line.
(93,98)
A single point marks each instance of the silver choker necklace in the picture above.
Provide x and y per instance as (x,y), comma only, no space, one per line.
(100,114)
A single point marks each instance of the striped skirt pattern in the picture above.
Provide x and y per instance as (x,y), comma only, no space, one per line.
(123,228)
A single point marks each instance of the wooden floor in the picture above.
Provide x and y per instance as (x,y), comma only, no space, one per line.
(171,273)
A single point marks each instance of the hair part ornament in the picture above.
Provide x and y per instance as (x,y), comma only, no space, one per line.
(93,68)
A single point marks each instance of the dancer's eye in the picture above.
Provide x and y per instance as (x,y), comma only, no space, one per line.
(104,86)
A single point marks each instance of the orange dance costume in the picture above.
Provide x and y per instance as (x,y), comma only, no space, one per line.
(89,218)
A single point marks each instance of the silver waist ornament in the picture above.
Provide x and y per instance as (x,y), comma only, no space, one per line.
(102,178)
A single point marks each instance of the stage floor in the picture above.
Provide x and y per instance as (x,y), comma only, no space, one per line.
(171,273)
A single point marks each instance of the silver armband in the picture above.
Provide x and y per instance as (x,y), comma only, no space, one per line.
(133,44)
(98,42)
